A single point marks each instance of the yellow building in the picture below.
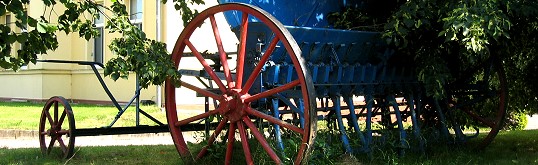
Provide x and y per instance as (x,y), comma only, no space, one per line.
(78,83)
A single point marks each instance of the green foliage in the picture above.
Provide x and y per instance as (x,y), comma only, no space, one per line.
(445,37)
(369,16)
(186,12)
(516,121)
(474,23)
(327,147)
(415,20)
(519,54)
(38,35)
(137,53)
(352,19)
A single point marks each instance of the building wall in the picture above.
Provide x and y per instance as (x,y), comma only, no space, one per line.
(43,80)
(86,87)
(27,85)
(77,85)
(56,83)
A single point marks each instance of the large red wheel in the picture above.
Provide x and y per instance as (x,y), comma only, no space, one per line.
(477,103)
(56,127)
(241,118)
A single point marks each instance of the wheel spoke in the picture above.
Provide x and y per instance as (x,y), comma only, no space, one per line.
(63,132)
(274,120)
(244,142)
(62,117)
(206,66)
(49,118)
(242,50)
(45,133)
(201,91)
(260,65)
(479,118)
(198,117)
(230,144)
(262,140)
(234,81)
(301,152)
(63,147)
(212,138)
(273,91)
(222,53)
(51,144)
(55,112)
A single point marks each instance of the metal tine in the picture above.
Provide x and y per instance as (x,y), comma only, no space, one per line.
(340,122)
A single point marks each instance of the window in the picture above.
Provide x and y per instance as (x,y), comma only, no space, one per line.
(135,8)
(8,20)
(98,41)
(21,46)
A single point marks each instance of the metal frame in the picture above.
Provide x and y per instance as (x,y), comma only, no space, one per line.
(137,129)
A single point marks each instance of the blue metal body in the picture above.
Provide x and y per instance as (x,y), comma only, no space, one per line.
(342,63)
(302,13)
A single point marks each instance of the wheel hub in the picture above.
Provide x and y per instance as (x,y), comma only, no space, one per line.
(234,105)
(54,131)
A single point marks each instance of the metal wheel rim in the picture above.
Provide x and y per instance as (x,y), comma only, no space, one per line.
(57,121)
(500,110)
(291,46)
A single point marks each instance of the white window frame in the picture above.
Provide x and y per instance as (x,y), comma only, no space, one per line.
(7,20)
(99,25)
(136,12)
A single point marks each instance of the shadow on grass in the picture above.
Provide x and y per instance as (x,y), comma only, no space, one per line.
(510,147)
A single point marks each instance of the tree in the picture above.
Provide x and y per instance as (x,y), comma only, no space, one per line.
(436,33)
(441,38)
(520,60)
(135,52)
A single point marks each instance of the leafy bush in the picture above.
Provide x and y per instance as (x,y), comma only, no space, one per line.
(515,121)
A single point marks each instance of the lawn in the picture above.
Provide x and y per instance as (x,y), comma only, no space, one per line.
(25,116)
(510,147)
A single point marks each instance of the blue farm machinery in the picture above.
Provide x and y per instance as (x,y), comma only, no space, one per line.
(291,69)
(290,73)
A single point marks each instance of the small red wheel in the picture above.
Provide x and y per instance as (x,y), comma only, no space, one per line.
(240,114)
(477,103)
(56,127)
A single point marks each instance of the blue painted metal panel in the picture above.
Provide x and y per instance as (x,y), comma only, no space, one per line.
(320,45)
(305,13)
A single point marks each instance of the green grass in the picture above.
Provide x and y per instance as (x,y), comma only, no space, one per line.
(512,147)
(155,154)
(509,147)
(25,116)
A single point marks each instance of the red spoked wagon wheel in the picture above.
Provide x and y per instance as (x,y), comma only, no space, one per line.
(477,103)
(56,127)
(240,114)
